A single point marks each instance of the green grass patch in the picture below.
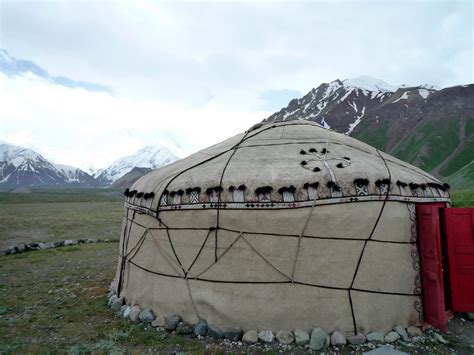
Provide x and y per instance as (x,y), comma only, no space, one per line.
(54,301)
(49,195)
(60,214)
(462,198)
(376,137)
(429,144)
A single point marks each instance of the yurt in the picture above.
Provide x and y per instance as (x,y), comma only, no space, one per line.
(287,225)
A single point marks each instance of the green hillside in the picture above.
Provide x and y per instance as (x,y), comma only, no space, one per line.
(429,145)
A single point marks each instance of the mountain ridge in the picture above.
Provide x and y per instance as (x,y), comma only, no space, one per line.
(422,125)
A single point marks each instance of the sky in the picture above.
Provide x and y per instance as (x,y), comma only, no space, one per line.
(114,76)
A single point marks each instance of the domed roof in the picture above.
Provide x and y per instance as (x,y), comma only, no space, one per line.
(292,157)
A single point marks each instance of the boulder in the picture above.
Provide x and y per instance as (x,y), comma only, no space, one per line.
(112,299)
(126,312)
(158,322)
(184,328)
(319,339)
(250,337)
(376,337)
(414,331)
(117,304)
(439,338)
(135,314)
(392,337)
(402,332)
(356,339)
(301,337)
(172,322)
(338,339)
(234,333)
(215,332)
(200,329)
(285,337)
(266,336)
(146,316)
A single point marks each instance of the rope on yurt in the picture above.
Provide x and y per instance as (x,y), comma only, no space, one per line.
(164,254)
(200,250)
(220,256)
(126,238)
(308,218)
(266,260)
(370,236)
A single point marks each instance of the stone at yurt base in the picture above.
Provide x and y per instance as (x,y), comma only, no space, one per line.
(285,211)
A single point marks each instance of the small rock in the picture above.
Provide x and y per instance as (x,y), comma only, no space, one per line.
(376,337)
(414,331)
(146,316)
(184,328)
(117,304)
(200,329)
(126,312)
(110,294)
(337,338)
(250,337)
(135,313)
(266,336)
(301,337)
(385,350)
(319,339)
(392,337)
(158,322)
(69,242)
(356,339)
(234,333)
(285,337)
(214,332)
(112,299)
(172,322)
(122,309)
(439,338)
(402,332)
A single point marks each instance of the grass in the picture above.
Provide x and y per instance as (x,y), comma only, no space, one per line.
(54,301)
(429,144)
(376,137)
(463,198)
(40,216)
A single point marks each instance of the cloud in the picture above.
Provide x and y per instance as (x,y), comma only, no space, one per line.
(83,128)
(14,67)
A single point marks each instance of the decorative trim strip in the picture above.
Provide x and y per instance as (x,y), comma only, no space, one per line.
(284,205)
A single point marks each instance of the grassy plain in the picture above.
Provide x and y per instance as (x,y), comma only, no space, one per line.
(54,301)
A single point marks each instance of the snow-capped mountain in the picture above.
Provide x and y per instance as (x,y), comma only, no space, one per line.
(349,100)
(151,156)
(24,167)
(76,175)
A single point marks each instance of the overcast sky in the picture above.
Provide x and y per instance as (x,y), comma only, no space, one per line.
(196,73)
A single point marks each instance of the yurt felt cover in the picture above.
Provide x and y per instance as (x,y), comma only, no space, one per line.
(288,225)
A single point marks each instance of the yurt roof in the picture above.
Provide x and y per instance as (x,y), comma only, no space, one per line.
(282,155)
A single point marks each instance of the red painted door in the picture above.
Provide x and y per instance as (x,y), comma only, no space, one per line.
(459,231)
(431,264)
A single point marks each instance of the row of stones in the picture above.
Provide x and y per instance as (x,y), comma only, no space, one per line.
(20,248)
(317,340)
